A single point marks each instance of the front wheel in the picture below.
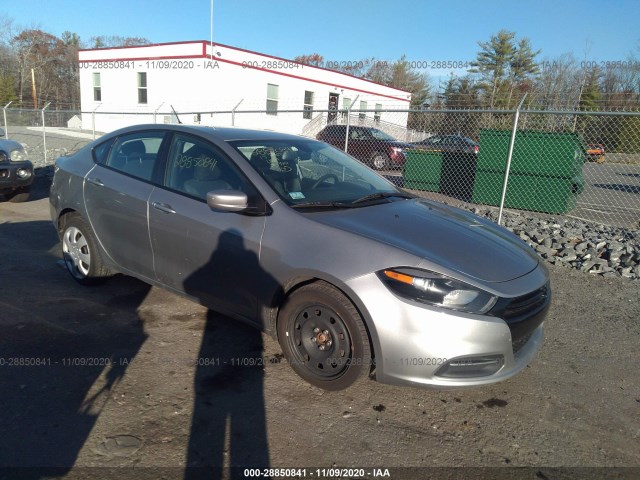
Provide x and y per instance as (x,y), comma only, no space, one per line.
(80,251)
(324,338)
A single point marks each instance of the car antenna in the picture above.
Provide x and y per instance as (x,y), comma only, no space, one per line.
(176,114)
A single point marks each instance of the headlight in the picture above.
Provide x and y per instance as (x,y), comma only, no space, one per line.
(438,290)
(17,155)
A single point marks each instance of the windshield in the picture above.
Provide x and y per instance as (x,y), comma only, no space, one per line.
(380,135)
(307,172)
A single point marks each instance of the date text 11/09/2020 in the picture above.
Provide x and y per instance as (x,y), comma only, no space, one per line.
(333,472)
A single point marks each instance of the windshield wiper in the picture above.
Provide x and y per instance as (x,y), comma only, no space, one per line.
(380,195)
(321,205)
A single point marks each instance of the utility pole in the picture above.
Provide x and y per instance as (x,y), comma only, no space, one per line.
(33,89)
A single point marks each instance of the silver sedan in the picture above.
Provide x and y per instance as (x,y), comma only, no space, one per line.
(354,277)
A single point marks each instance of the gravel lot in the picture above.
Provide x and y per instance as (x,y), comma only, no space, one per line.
(124,375)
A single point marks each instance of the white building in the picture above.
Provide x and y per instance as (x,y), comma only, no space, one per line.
(147,84)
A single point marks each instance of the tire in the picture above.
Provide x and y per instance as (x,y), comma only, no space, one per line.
(80,251)
(380,161)
(19,195)
(323,337)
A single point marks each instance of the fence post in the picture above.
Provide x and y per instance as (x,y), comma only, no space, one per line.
(4,112)
(510,154)
(346,135)
(44,132)
(93,120)
(155,112)
(233,112)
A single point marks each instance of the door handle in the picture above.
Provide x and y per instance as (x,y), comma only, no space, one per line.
(95,181)
(163,207)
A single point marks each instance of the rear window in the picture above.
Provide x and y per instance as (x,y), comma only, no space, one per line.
(101,152)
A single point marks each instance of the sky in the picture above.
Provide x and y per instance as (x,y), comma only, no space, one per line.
(350,30)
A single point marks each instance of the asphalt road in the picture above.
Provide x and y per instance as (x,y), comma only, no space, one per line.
(611,194)
(96,381)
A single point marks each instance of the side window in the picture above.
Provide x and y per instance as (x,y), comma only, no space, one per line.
(196,167)
(357,134)
(135,154)
(101,152)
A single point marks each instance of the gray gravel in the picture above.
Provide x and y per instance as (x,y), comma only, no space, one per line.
(592,248)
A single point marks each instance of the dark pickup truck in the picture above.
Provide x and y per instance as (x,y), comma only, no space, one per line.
(16,172)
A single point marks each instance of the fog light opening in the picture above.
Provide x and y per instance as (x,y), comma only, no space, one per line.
(470,367)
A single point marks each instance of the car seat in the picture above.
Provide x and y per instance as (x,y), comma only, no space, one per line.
(206,179)
(261,161)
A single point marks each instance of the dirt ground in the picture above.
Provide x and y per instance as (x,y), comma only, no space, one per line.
(95,381)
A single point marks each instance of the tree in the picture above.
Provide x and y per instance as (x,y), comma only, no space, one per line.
(313,59)
(38,52)
(7,89)
(461,93)
(106,41)
(504,64)
(590,95)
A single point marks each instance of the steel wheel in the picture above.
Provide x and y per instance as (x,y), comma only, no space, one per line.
(323,337)
(379,161)
(80,252)
(320,339)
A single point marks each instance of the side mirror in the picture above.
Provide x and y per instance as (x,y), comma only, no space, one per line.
(227,200)
(1,132)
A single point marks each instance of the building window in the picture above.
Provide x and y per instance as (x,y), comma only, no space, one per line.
(142,87)
(346,103)
(97,90)
(272,99)
(308,105)
(363,106)
(378,113)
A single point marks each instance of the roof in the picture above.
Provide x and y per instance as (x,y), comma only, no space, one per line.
(199,50)
(219,133)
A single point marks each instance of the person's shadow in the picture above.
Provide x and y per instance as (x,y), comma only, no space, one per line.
(228,430)
(63,351)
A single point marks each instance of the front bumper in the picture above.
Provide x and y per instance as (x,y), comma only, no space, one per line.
(9,174)
(419,345)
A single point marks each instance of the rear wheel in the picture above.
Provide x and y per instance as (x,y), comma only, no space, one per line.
(80,251)
(324,338)
(380,161)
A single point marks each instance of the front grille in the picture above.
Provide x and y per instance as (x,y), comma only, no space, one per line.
(526,303)
(523,314)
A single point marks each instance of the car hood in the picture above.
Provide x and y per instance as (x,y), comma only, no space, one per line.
(449,237)
(10,145)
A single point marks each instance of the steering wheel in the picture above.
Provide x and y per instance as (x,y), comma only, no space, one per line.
(324,178)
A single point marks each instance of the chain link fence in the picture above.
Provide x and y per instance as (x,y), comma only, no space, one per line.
(581,165)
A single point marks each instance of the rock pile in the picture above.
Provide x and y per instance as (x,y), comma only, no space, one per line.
(612,252)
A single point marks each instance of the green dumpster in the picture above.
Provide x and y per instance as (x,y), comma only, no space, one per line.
(458,173)
(545,174)
(422,170)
